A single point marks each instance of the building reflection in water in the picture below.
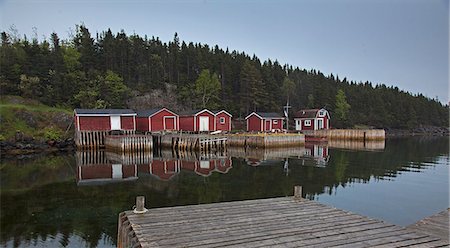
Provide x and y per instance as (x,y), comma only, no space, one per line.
(100,167)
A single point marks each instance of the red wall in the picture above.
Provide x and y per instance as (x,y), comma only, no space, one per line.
(308,127)
(127,122)
(211,121)
(279,124)
(187,123)
(142,124)
(253,123)
(158,121)
(225,126)
(164,169)
(95,123)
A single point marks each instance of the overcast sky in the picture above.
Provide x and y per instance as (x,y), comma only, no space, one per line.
(396,42)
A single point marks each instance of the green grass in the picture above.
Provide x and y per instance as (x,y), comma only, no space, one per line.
(13,107)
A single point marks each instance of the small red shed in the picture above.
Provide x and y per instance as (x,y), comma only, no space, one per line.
(104,119)
(264,122)
(223,120)
(153,120)
(198,120)
(312,119)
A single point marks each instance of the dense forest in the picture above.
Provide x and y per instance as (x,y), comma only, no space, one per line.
(120,70)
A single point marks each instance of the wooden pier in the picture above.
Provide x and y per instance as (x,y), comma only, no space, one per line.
(93,139)
(348,134)
(191,142)
(128,143)
(437,225)
(265,140)
(281,222)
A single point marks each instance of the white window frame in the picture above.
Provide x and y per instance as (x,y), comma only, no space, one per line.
(307,123)
(222,120)
(275,122)
(322,113)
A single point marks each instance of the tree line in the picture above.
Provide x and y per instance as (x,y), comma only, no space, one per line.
(108,70)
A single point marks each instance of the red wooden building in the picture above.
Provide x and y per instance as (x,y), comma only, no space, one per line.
(153,120)
(264,122)
(198,120)
(312,119)
(105,173)
(104,119)
(223,120)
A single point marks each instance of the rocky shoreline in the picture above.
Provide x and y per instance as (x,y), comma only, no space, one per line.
(418,131)
(32,146)
(26,147)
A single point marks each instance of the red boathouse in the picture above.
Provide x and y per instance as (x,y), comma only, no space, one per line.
(264,122)
(223,120)
(153,120)
(312,119)
(104,119)
(198,120)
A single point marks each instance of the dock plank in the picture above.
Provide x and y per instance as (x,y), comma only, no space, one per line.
(436,225)
(277,222)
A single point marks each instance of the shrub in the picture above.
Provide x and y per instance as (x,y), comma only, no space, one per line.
(52,134)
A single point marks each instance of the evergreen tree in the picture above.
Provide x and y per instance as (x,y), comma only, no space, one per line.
(341,107)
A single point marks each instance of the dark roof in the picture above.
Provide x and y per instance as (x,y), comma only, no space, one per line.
(306,113)
(266,115)
(147,112)
(104,111)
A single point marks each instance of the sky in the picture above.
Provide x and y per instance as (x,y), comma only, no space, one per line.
(404,43)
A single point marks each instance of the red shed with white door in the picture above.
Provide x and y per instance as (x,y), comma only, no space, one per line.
(264,122)
(198,121)
(153,120)
(312,119)
(104,119)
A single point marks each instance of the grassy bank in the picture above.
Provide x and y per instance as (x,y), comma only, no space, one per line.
(33,120)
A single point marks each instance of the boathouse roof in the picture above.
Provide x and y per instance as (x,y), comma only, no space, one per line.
(266,115)
(308,113)
(105,112)
(151,112)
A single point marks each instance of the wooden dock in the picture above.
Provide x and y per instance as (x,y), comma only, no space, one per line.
(280,222)
(266,140)
(347,134)
(436,225)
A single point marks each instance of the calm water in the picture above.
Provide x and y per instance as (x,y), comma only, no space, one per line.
(74,200)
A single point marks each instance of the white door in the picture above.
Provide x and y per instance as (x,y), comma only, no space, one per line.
(319,124)
(298,125)
(204,123)
(115,122)
(116,171)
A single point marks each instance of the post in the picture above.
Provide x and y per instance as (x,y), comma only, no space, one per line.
(297,192)
(140,205)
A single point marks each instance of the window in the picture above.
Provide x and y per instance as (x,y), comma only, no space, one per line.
(308,123)
(322,113)
(275,122)
(222,120)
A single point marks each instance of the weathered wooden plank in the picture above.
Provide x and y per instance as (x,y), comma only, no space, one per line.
(278,222)
(212,229)
(437,225)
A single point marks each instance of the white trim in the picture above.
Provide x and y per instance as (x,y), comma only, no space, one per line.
(253,113)
(305,124)
(134,122)
(78,121)
(199,112)
(224,112)
(262,125)
(174,122)
(224,120)
(150,124)
(195,122)
(229,124)
(215,123)
(162,110)
(328,124)
(178,123)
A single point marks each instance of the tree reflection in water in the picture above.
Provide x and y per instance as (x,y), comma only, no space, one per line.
(75,199)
